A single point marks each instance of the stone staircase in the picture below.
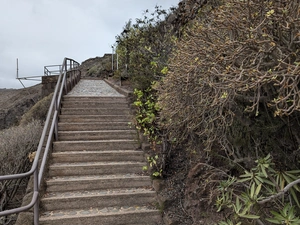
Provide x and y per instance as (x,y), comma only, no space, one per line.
(95,174)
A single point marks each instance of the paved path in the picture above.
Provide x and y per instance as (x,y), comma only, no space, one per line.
(93,88)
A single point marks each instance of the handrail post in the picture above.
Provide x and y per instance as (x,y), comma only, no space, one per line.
(36,205)
(66,80)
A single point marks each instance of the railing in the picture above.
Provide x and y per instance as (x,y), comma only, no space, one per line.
(68,77)
(49,71)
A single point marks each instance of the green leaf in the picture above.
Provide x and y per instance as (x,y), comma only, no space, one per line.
(294,197)
(268,156)
(274,221)
(156,174)
(243,180)
(258,189)
(268,182)
(277,215)
(287,178)
(247,174)
(249,216)
(145,168)
(258,180)
(252,190)
(293,171)
(237,206)
(263,170)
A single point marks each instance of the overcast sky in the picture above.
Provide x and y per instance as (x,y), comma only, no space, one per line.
(43,32)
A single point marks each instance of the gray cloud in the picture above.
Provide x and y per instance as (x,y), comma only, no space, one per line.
(43,32)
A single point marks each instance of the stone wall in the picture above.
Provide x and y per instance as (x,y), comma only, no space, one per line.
(48,83)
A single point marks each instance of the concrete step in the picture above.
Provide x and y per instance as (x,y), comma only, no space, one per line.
(94,168)
(115,99)
(99,156)
(95,111)
(96,135)
(94,118)
(98,145)
(125,215)
(93,104)
(97,198)
(95,173)
(73,126)
(97,182)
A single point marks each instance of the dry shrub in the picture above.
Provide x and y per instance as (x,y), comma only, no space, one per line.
(233,85)
(15,145)
(38,111)
(243,56)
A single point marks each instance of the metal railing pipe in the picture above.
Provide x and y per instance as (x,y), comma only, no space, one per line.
(37,171)
(47,148)
(22,208)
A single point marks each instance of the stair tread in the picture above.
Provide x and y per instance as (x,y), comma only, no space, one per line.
(97,177)
(100,141)
(68,96)
(93,193)
(93,116)
(83,152)
(95,107)
(98,131)
(65,164)
(96,211)
(96,122)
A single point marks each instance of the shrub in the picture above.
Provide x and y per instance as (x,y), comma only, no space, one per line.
(143,48)
(38,111)
(16,143)
(232,93)
(225,70)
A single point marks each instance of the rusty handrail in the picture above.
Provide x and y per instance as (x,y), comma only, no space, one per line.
(69,68)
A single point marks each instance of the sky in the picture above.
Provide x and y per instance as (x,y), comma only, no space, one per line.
(42,32)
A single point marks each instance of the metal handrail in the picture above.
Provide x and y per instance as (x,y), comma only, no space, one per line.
(48,70)
(69,68)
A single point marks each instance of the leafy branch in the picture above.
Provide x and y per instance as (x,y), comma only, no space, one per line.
(279,194)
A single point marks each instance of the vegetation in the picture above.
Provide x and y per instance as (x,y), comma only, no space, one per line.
(16,145)
(38,111)
(229,94)
(17,149)
(250,196)
(143,48)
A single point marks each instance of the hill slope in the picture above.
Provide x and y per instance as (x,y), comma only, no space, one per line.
(15,102)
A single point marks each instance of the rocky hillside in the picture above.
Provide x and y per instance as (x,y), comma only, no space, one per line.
(97,67)
(15,102)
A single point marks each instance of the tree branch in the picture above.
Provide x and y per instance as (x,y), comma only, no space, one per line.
(282,192)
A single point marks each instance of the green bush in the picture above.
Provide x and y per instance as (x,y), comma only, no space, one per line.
(143,48)
(38,111)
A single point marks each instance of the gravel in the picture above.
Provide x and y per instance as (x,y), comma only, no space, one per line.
(94,88)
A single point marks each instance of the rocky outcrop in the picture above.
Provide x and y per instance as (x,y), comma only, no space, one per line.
(100,67)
